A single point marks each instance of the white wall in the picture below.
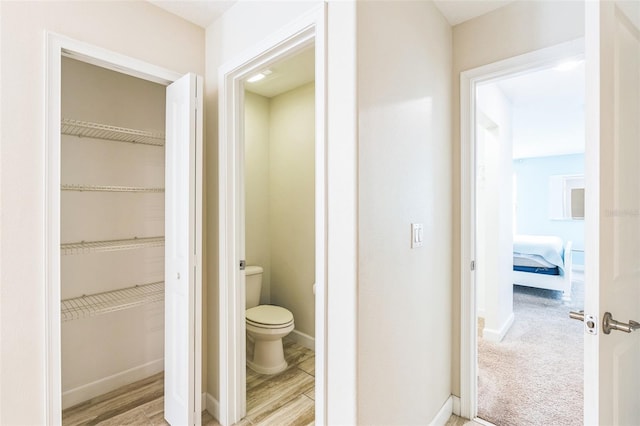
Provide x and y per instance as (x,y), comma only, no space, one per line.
(494,244)
(137,29)
(404,94)
(518,28)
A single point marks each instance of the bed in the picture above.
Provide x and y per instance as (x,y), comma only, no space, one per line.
(542,261)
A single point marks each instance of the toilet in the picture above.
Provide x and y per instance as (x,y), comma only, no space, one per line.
(266,326)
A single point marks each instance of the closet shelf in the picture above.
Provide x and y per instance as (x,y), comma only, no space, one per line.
(108,188)
(112,133)
(111,301)
(110,245)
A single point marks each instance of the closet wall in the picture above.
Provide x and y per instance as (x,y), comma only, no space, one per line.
(122,198)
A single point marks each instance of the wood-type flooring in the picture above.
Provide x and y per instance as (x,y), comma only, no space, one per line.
(286,398)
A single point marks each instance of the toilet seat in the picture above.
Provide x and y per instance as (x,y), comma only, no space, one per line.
(269,317)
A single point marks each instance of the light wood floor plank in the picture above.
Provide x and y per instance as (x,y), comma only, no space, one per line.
(282,399)
(298,412)
(276,392)
(115,403)
(308,366)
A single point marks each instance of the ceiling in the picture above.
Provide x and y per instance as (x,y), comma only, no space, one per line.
(204,12)
(458,11)
(200,12)
(547,111)
(286,75)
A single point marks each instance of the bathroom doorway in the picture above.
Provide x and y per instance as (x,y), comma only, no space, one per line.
(272,210)
(279,211)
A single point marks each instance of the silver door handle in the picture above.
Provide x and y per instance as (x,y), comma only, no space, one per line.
(608,324)
(576,315)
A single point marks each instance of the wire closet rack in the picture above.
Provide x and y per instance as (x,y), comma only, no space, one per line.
(111,301)
(107,188)
(107,132)
(83,247)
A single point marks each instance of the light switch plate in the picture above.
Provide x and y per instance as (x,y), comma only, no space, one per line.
(417,235)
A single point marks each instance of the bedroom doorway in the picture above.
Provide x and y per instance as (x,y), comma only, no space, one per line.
(530,195)
(525,354)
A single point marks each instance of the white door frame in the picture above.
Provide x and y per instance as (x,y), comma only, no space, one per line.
(469,81)
(56,47)
(306,31)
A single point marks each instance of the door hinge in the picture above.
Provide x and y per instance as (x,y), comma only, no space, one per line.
(243,264)
(473,265)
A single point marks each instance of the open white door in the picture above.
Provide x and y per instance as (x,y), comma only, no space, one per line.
(183,242)
(612,361)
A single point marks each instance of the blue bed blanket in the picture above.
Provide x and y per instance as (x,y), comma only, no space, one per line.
(548,247)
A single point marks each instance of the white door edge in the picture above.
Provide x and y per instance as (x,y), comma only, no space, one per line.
(305,31)
(183,267)
(468,82)
(56,46)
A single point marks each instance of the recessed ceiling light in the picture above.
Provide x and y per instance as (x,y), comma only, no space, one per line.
(258,76)
(567,65)
(255,78)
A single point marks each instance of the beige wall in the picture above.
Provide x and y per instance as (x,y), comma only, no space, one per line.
(138,29)
(518,28)
(257,224)
(292,207)
(243,26)
(404,93)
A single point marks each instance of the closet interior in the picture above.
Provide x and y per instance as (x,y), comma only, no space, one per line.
(111,230)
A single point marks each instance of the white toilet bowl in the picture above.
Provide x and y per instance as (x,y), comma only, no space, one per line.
(266,326)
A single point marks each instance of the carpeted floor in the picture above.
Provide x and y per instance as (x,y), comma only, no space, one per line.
(535,375)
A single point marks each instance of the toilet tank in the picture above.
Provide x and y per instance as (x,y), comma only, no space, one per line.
(253,279)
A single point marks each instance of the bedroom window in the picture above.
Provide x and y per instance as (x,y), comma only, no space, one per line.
(566,197)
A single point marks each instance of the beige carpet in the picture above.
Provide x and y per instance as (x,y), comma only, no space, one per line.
(534,376)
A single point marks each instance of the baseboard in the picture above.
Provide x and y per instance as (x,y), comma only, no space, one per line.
(444,414)
(303,339)
(456,405)
(492,335)
(212,405)
(107,384)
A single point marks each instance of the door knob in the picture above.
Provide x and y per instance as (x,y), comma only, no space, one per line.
(608,324)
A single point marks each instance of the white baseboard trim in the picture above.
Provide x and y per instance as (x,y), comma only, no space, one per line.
(83,393)
(212,405)
(444,414)
(492,335)
(303,339)
(456,405)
